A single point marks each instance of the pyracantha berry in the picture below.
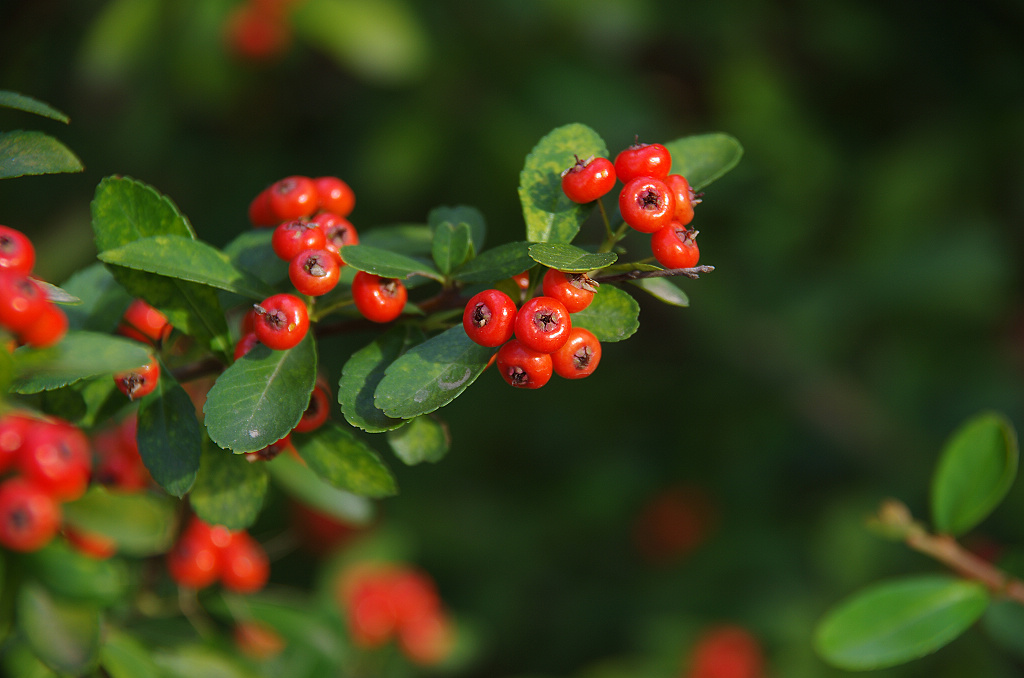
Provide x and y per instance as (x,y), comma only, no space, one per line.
(489,318)
(139,382)
(587,180)
(523,367)
(543,324)
(379,299)
(282,321)
(675,246)
(574,290)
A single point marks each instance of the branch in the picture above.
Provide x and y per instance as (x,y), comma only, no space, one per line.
(693,273)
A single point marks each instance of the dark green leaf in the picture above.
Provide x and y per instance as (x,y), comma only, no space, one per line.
(6,371)
(452,246)
(24,153)
(569,258)
(384,263)
(229,489)
(64,635)
(424,439)
(251,251)
(142,524)
(503,261)
(176,256)
(549,215)
(363,372)
(345,462)
(67,572)
(306,486)
(169,435)
(411,239)
(895,622)
(613,315)
(704,158)
(664,290)
(977,468)
(461,214)
(21,102)
(431,375)
(259,399)
(122,656)
(80,355)
(103,300)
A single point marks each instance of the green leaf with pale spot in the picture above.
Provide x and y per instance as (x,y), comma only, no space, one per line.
(550,216)
(302,483)
(461,214)
(498,263)
(169,436)
(65,635)
(79,355)
(452,246)
(21,102)
(259,399)
(569,258)
(703,158)
(340,459)
(613,315)
(663,290)
(141,523)
(386,264)
(29,152)
(229,489)
(362,373)
(424,439)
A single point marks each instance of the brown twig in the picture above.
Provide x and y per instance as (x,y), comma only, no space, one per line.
(693,273)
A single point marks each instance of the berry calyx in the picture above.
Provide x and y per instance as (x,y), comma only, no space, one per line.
(379,299)
(523,367)
(643,160)
(574,290)
(281,322)
(16,251)
(293,197)
(579,355)
(587,180)
(139,382)
(29,516)
(335,195)
(675,246)
(292,237)
(543,324)
(489,318)
(314,272)
(646,204)
(144,323)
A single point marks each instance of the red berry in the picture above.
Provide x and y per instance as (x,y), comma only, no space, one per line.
(47,329)
(139,382)
(144,323)
(647,204)
(245,566)
(118,462)
(727,652)
(94,545)
(428,640)
(271,450)
(314,272)
(579,356)
(297,235)
(16,251)
(29,516)
(522,280)
(13,430)
(379,299)
(588,180)
(282,321)
(245,344)
(293,197)
(335,195)
(258,640)
(675,246)
(56,456)
(684,197)
(260,213)
(254,34)
(338,232)
(543,324)
(574,290)
(367,599)
(489,318)
(523,367)
(21,301)
(318,409)
(195,559)
(643,160)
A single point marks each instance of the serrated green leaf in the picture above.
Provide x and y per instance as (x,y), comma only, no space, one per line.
(362,373)
(29,152)
(386,264)
(664,290)
(69,573)
(424,439)
(229,489)
(461,214)
(22,102)
(503,261)
(169,436)
(613,315)
(259,399)
(142,524)
(550,216)
(79,355)
(411,239)
(343,461)
(895,622)
(432,374)
(304,484)
(569,258)
(63,634)
(703,158)
(122,656)
(976,469)
(175,256)
(452,246)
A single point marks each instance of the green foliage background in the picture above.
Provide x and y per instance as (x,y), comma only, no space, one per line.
(867,296)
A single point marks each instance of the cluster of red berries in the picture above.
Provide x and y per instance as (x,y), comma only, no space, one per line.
(143,323)
(385,601)
(651,200)
(258,30)
(25,309)
(204,554)
(545,341)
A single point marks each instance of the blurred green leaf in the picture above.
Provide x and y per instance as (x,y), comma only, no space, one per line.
(411,239)
(550,216)
(664,290)
(57,295)
(21,102)
(894,622)
(69,573)
(18,660)
(169,435)
(122,656)
(64,635)
(704,158)
(251,251)
(386,264)
(976,469)
(345,462)
(569,258)
(613,315)
(142,524)
(79,355)
(103,300)
(503,261)
(362,373)
(120,36)
(198,661)
(461,214)
(452,246)
(229,489)
(30,152)
(306,486)
(424,439)
(6,371)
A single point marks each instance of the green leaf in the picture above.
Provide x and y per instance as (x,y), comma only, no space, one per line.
(124,657)
(549,215)
(976,469)
(57,295)
(19,660)
(345,462)
(67,572)
(384,263)
(411,239)
(305,485)
(362,373)
(431,375)
(664,290)
(259,399)
(169,435)
(613,315)
(103,300)
(198,661)
(229,489)
(569,258)
(6,371)
(894,622)
(79,355)
(21,102)
(25,153)
(452,246)
(704,158)
(176,256)
(141,524)
(63,634)
(461,214)
(503,261)
(424,439)
(251,251)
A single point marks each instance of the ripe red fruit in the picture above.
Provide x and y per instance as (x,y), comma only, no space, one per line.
(543,324)
(245,344)
(258,640)
(29,516)
(574,290)
(427,640)
(523,367)
(144,323)
(260,213)
(13,430)
(91,544)
(293,197)
(56,456)
(579,356)
(684,198)
(675,246)
(16,251)
(47,329)
(588,180)
(318,409)
(379,299)
(254,34)
(314,272)
(282,321)
(139,382)
(245,566)
(727,652)
(643,160)
(118,462)
(335,195)
(489,318)
(295,236)
(195,559)
(338,232)
(646,204)
(21,300)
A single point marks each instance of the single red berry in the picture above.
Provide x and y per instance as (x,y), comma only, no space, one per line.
(318,409)
(297,235)
(574,290)
(643,160)
(245,344)
(314,272)
(335,195)
(94,545)
(684,197)
(647,204)
(293,197)
(29,516)
(13,430)
(414,596)
(56,456)
(489,318)
(144,323)
(195,559)
(428,640)
(47,329)
(379,299)
(21,300)
(523,367)
(118,462)
(727,652)
(139,382)
(543,324)
(579,356)
(249,322)
(246,567)
(256,35)
(16,251)
(260,213)
(282,321)
(338,232)
(587,180)
(522,280)
(365,593)
(675,246)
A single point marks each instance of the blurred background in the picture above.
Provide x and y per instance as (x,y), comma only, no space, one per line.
(719,466)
